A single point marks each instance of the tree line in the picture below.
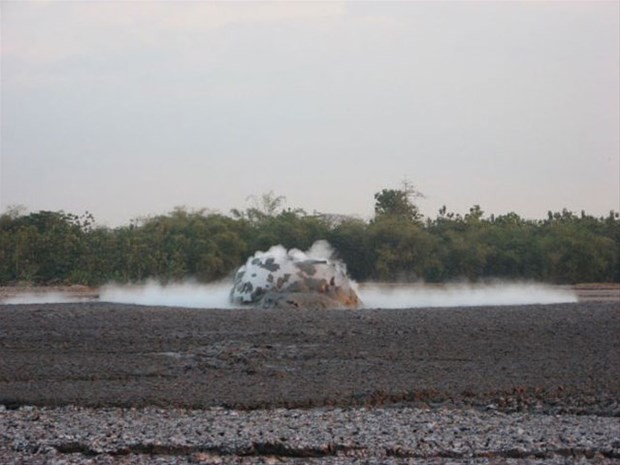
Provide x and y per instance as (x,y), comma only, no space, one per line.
(398,244)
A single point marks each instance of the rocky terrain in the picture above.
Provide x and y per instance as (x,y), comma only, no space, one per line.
(325,435)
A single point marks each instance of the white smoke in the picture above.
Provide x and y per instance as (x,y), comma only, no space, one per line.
(193,295)
(187,294)
(462,295)
(281,270)
(43,298)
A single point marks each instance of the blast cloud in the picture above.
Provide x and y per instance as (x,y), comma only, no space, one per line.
(280,277)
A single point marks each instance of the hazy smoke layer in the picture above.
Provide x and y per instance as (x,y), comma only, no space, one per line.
(372,295)
(43,298)
(187,294)
(461,295)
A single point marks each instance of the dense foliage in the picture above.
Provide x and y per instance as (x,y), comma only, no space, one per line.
(57,247)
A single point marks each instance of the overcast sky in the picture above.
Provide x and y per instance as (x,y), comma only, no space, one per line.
(127,109)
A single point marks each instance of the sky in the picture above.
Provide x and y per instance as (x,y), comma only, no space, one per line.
(129,109)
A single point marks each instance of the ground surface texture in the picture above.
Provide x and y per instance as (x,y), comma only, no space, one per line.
(110,383)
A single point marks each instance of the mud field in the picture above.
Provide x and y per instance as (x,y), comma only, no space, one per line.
(562,358)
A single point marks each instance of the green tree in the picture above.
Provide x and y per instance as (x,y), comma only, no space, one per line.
(402,249)
(398,202)
(58,247)
(351,241)
(265,206)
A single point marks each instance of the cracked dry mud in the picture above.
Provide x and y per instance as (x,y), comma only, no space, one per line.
(106,383)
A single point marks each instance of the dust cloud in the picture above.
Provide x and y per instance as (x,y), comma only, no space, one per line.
(372,295)
(42,298)
(187,294)
(462,295)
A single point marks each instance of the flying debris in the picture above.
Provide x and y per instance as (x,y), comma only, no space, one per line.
(294,279)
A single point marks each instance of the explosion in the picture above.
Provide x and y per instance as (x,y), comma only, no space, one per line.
(294,279)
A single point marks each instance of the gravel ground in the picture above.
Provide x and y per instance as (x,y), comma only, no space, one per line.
(326,435)
(109,383)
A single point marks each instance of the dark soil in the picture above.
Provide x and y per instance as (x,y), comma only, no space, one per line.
(554,358)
